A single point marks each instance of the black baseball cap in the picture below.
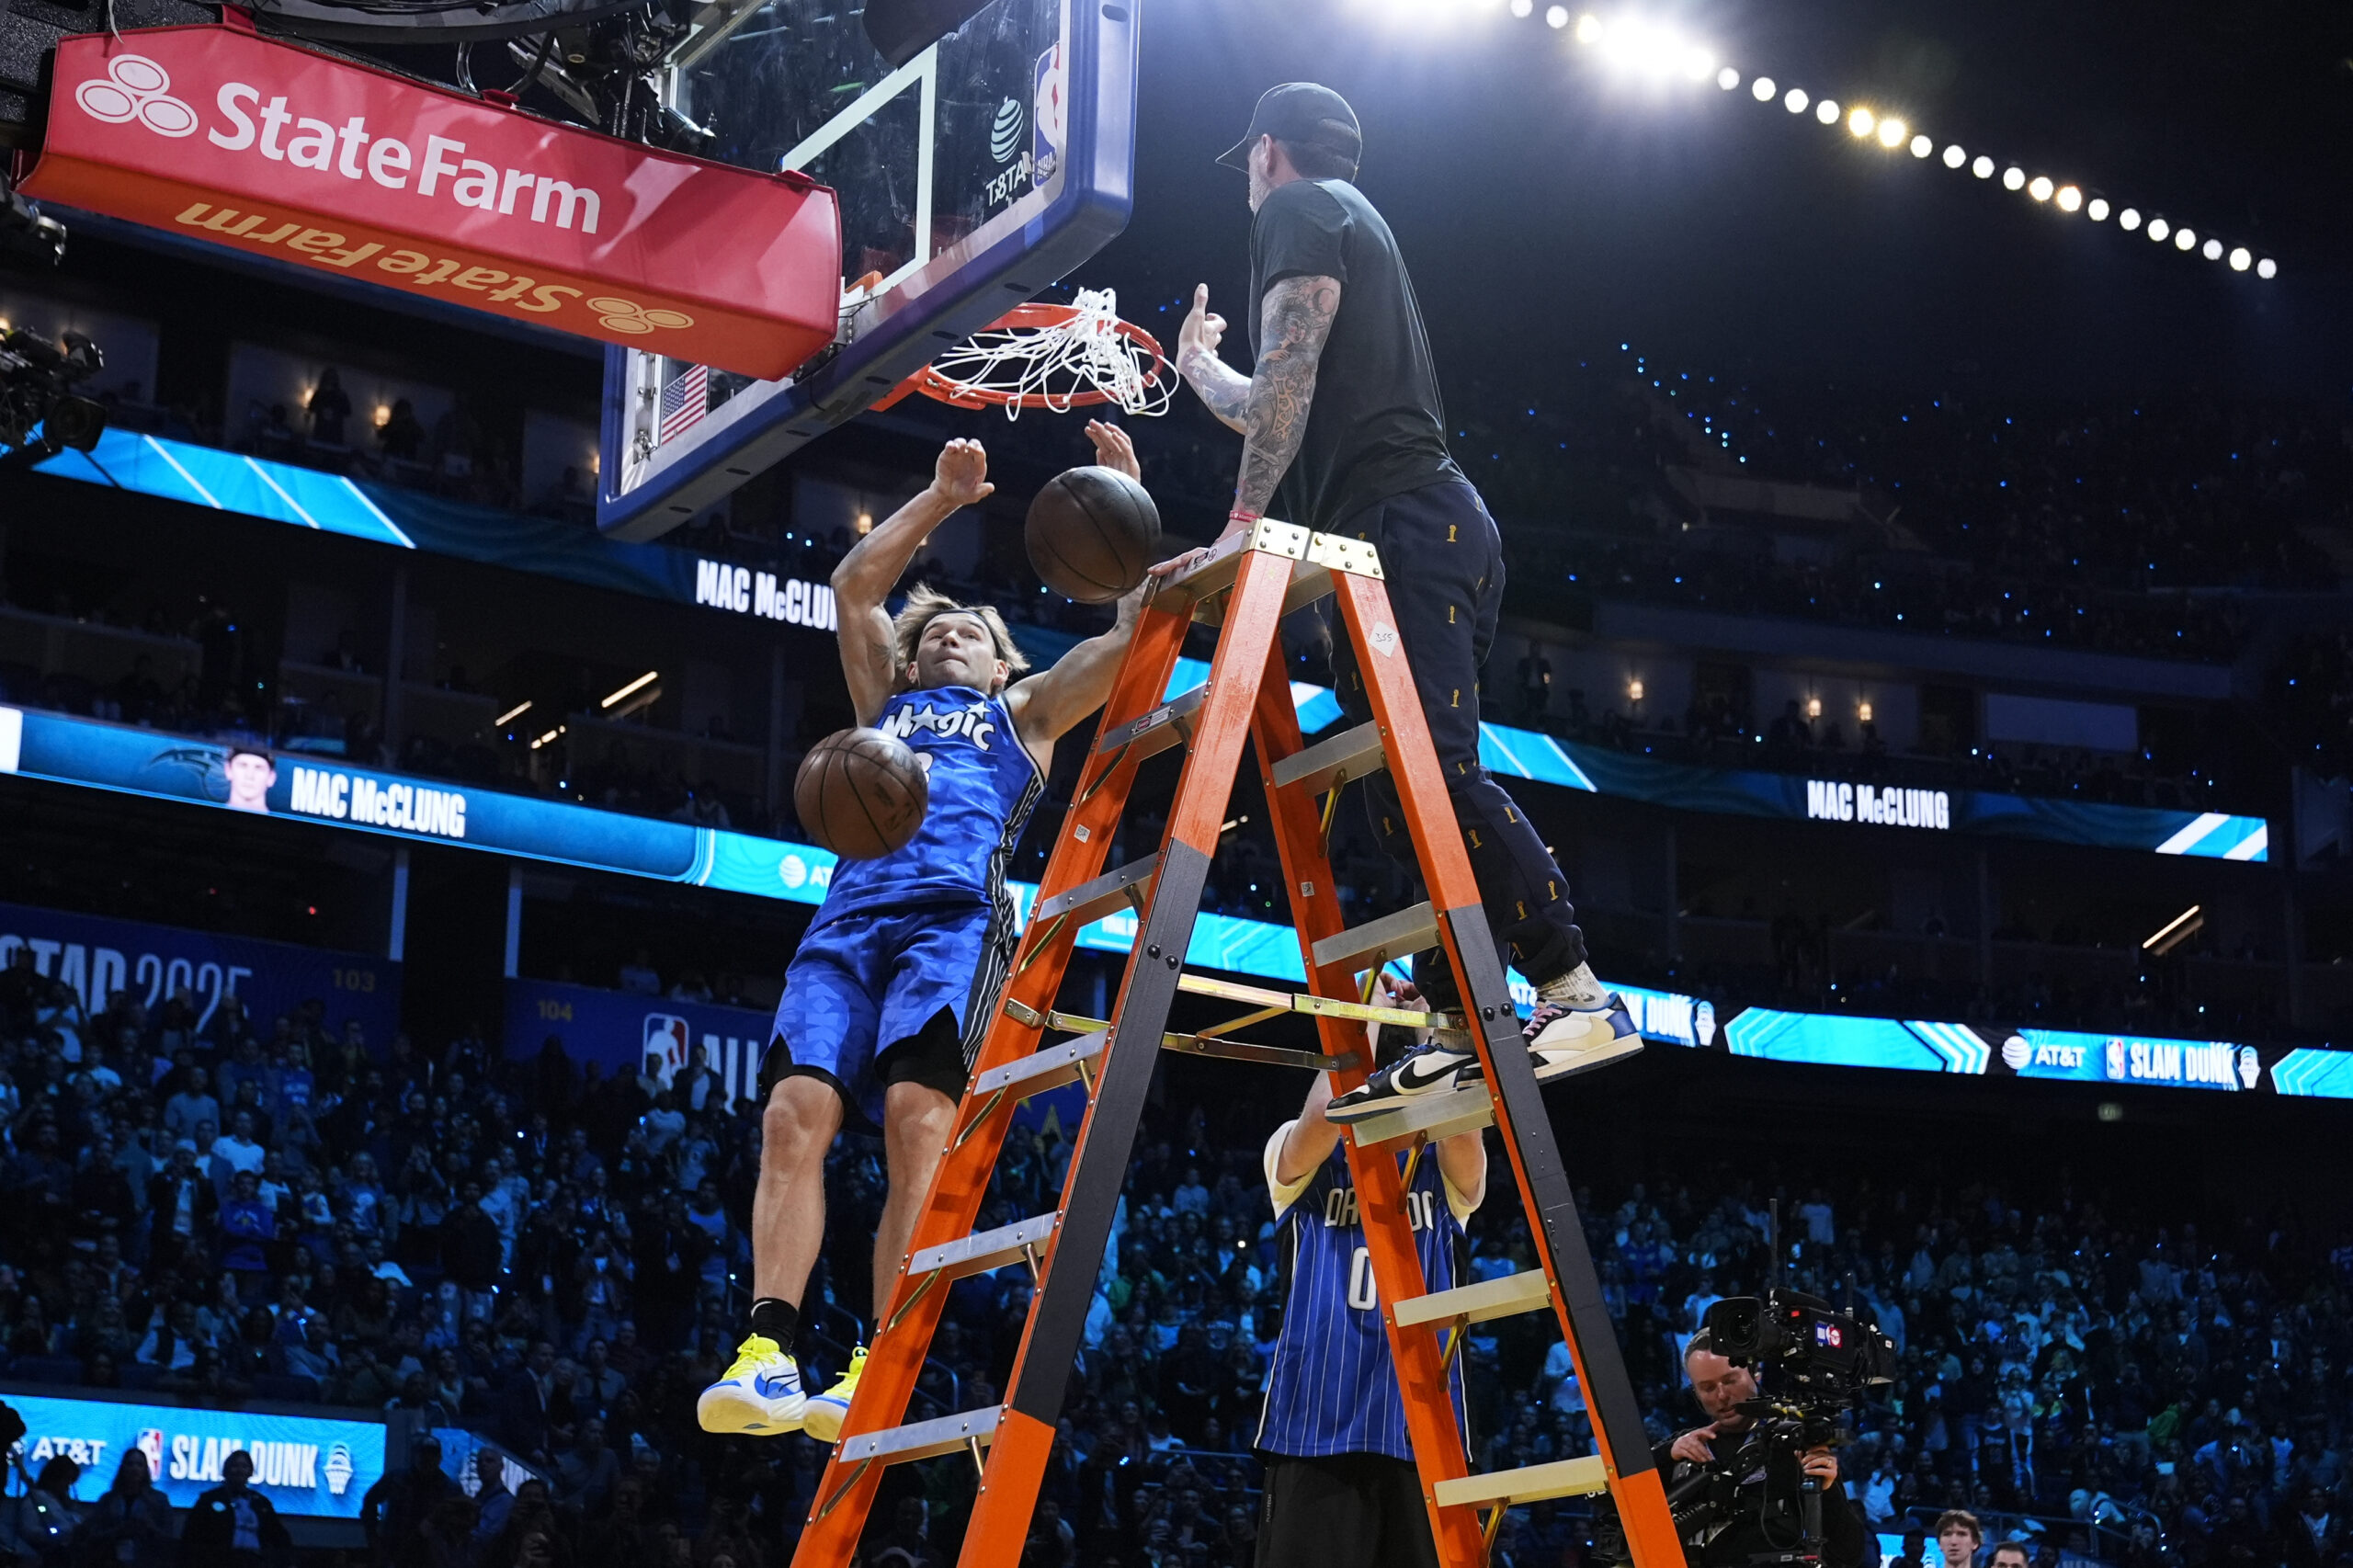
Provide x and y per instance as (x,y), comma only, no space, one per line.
(1301,112)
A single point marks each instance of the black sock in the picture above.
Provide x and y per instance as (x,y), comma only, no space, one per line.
(773,1319)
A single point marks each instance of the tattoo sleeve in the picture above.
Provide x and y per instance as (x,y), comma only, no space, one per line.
(1225,390)
(1294,321)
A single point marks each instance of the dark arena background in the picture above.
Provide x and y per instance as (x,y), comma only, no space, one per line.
(1921,439)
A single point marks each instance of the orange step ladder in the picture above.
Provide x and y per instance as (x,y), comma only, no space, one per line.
(1245,586)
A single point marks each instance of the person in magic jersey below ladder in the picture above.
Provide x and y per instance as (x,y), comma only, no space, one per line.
(1341,1485)
(890,992)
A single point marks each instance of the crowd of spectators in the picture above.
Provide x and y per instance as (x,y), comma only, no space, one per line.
(550,1256)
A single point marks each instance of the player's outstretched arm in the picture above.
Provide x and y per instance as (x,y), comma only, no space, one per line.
(1050,704)
(863,581)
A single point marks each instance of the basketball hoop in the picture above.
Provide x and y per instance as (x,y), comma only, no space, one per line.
(1051,356)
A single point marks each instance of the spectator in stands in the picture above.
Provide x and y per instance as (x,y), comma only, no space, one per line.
(638,976)
(402,437)
(131,1527)
(191,1107)
(1958,1536)
(396,1509)
(586,1471)
(233,1524)
(329,407)
(234,1152)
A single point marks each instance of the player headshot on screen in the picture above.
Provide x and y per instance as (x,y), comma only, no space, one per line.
(1341,411)
(890,992)
(252,776)
(1341,1484)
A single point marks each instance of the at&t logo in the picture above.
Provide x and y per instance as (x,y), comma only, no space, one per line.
(135,87)
(1005,134)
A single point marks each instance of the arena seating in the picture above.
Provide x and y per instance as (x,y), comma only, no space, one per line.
(556,1258)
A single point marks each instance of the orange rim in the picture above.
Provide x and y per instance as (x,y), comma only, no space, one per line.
(943,388)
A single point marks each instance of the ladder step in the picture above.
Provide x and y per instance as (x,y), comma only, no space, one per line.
(1311,579)
(1125,887)
(922,1440)
(1561,1478)
(1392,936)
(1159,729)
(1433,1116)
(1218,573)
(1512,1294)
(1337,552)
(987,1250)
(1345,757)
(1301,1002)
(1042,1071)
(1242,1050)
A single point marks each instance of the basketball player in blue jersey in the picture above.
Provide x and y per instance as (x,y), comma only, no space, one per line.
(891,990)
(1341,1486)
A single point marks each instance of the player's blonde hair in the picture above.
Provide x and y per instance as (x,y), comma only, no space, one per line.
(926,604)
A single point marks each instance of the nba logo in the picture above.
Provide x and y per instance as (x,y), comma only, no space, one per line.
(666,1045)
(1051,118)
(151,1443)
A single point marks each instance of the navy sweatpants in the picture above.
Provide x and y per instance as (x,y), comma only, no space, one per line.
(1444,565)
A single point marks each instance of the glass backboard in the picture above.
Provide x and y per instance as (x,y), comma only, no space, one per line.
(970,179)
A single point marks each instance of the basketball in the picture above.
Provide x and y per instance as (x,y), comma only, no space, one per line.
(1092,534)
(861,794)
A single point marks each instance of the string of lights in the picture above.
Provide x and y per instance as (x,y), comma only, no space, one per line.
(1641,47)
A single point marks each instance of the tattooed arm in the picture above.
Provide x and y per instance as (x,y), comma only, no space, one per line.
(1224,390)
(1294,321)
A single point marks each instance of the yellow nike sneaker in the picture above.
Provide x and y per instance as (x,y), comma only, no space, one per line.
(828,1410)
(760,1395)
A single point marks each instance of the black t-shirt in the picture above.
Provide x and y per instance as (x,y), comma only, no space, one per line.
(1376,429)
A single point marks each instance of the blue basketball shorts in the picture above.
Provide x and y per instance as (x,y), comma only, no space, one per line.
(872,998)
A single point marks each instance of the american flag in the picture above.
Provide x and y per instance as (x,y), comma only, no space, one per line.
(685,401)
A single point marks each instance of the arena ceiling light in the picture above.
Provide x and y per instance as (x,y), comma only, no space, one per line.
(2175,932)
(511,714)
(640,683)
(1634,44)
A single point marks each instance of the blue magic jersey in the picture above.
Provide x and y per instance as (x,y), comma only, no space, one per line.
(982,783)
(1333,1387)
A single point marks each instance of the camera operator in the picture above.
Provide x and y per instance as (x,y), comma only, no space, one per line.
(1728,1453)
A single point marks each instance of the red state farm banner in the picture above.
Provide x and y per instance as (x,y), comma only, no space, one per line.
(219,133)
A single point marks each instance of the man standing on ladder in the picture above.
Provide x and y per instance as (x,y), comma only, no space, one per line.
(1341,1484)
(1343,410)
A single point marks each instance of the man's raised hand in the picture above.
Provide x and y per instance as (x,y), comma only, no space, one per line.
(1113,449)
(962,477)
(1203,329)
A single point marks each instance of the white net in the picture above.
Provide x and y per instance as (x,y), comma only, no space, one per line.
(1053,366)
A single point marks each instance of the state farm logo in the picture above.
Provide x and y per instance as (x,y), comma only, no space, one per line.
(333,142)
(628,315)
(135,87)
